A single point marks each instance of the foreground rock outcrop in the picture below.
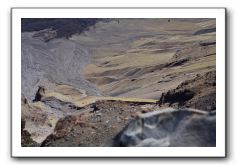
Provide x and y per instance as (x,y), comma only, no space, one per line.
(38,120)
(95,125)
(170,128)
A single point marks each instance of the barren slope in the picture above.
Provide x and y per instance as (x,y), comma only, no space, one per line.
(133,57)
(57,61)
(84,90)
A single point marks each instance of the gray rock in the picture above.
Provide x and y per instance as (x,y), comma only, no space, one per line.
(170,127)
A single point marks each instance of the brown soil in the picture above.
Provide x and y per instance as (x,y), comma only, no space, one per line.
(97,125)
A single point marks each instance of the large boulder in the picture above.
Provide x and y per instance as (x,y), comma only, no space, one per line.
(170,128)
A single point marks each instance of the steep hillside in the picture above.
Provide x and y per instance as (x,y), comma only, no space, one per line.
(87,85)
(145,57)
(58,61)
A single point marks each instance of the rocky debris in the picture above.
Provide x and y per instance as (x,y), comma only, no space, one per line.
(38,120)
(95,125)
(64,126)
(45,34)
(199,93)
(26,140)
(169,128)
(180,96)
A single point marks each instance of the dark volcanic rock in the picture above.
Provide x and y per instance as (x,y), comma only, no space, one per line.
(199,93)
(39,93)
(170,128)
(180,96)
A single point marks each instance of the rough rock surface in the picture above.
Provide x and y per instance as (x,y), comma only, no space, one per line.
(199,93)
(95,125)
(170,128)
(38,120)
